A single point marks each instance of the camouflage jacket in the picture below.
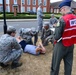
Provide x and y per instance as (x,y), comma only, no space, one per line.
(7,43)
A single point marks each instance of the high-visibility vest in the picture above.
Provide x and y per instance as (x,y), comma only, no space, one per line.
(69,33)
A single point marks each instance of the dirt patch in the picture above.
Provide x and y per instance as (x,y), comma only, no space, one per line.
(37,65)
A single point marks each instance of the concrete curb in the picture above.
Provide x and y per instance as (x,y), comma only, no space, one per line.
(20,20)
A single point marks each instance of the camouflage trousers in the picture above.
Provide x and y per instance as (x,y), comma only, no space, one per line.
(47,39)
(14,56)
(40,25)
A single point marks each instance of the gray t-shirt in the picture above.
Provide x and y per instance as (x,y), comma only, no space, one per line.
(30,49)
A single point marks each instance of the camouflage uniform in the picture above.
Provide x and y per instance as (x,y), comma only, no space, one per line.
(46,35)
(34,33)
(27,35)
(10,50)
(53,21)
(39,18)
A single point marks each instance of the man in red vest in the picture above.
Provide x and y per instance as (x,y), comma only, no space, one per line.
(65,36)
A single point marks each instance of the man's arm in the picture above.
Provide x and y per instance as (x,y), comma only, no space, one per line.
(50,21)
(42,48)
(59,30)
(15,44)
(40,13)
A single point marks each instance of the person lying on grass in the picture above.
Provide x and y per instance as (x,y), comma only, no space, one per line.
(32,49)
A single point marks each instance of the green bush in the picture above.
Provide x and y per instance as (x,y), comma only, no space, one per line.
(26,16)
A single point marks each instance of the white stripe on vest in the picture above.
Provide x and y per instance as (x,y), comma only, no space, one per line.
(70,29)
(69,37)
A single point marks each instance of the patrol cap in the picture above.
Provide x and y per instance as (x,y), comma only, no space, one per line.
(11,29)
(65,3)
(46,24)
(21,31)
(26,33)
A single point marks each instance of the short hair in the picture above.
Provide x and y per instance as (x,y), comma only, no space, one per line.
(67,7)
(11,29)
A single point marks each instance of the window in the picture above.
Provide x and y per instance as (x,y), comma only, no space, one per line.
(39,1)
(51,10)
(55,11)
(34,2)
(23,9)
(1,2)
(34,9)
(44,9)
(6,8)
(28,9)
(7,1)
(23,1)
(45,1)
(15,1)
(1,8)
(28,2)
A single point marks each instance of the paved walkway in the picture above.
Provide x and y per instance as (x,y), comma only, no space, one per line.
(19,20)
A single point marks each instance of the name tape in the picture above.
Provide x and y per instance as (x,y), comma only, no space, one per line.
(73,22)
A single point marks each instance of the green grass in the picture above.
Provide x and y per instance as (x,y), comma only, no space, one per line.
(26,16)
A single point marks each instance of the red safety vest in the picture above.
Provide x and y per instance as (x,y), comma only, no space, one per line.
(69,34)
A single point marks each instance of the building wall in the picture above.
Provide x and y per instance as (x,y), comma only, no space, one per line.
(24,7)
(54,10)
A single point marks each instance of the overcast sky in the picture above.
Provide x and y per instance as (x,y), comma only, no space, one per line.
(57,0)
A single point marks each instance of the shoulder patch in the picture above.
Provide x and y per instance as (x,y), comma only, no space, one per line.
(73,22)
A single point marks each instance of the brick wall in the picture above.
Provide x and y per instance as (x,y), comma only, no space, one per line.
(25,5)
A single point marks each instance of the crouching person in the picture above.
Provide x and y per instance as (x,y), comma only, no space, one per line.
(32,49)
(10,50)
(27,34)
(46,32)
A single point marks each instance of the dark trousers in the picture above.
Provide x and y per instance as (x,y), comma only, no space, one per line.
(35,38)
(61,52)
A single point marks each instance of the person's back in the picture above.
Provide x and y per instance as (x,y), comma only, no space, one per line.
(39,14)
(40,17)
(10,50)
(5,45)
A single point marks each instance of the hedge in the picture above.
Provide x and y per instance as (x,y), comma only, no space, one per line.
(26,16)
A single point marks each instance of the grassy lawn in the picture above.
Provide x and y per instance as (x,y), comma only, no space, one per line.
(37,65)
(26,16)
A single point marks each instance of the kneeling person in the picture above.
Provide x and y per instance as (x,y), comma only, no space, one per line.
(46,34)
(10,50)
